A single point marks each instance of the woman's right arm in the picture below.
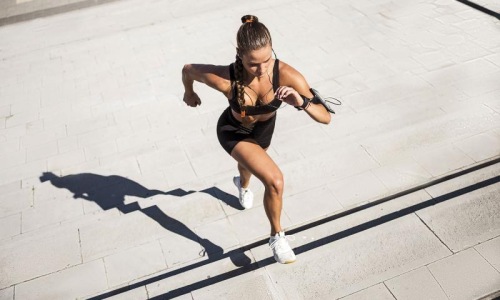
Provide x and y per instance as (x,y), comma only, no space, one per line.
(216,77)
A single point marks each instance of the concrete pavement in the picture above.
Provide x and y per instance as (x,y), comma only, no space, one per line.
(110,186)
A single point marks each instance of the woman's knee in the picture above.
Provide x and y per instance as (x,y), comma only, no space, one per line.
(274,183)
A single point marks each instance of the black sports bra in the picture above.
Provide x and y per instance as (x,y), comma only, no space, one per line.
(261,109)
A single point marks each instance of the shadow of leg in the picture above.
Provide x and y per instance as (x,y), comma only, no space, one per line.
(227,198)
(240,259)
(210,249)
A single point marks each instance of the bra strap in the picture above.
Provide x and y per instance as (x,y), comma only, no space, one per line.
(231,72)
(276,75)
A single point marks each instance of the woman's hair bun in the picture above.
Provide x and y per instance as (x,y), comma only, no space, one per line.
(249,19)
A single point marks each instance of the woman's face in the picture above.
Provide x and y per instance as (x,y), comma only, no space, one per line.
(257,62)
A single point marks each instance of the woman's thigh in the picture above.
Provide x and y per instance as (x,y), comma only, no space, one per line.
(256,160)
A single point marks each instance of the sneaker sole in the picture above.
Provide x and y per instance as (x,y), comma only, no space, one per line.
(286,262)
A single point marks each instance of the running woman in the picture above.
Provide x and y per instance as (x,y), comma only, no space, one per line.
(255,85)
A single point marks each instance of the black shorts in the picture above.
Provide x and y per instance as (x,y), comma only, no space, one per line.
(230,131)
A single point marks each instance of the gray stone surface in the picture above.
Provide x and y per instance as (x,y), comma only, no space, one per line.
(254,285)
(117,234)
(50,212)
(77,281)
(416,284)
(303,207)
(10,226)
(466,220)
(481,146)
(7,294)
(140,293)
(443,160)
(134,263)
(378,291)
(464,181)
(363,187)
(16,202)
(358,261)
(220,232)
(465,275)
(401,174)
(178,249)
(193,209)
(422,141)
(98,91)
(202,273)
(26,257)
(490,250)
(251,224)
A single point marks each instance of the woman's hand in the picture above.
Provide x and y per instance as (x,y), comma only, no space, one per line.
(289,96)
(192,99)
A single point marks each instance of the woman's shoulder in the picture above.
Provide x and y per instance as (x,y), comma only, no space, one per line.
(288,74)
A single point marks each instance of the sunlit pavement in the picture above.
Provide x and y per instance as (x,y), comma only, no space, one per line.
(112,187)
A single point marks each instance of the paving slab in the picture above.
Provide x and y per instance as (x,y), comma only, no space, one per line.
(443,160)
(378,291)
(117,234)
(469,219)
(193,209)
(458,183)
(358,188)
(134,263)
(13,158)
(360,261)
(302,207)
(74,282)
(220,232)
(24,171)
(51,212)
(419,88)
(345,257)
(10,226)
(254,285)
(7,294)
(140,293)
(399,282)
(481,146)
(419,138)
(176,286)
(17,201)
(55,250)
(259,224)
(66,158)
(465,275)
(416,284)
(400,174)
(349,161)
(182,246)
(490,250)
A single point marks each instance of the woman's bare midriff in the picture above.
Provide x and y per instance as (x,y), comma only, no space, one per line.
(256,118)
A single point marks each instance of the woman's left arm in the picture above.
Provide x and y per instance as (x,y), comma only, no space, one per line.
(293,85)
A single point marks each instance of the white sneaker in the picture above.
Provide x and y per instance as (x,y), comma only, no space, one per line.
(246,195)
(283,253)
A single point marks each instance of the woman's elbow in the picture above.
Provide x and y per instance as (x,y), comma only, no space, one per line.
(185,69)
(326,119)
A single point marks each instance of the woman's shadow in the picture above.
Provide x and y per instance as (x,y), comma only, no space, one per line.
(110,191)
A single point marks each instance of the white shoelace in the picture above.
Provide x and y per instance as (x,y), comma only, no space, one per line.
(280,245)
(244,192)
